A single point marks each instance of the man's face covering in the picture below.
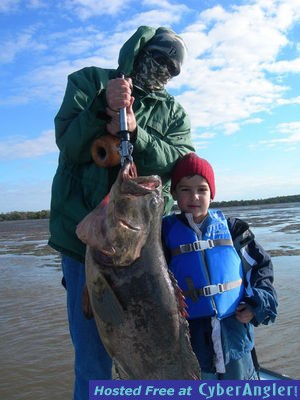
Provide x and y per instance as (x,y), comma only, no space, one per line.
(151,72)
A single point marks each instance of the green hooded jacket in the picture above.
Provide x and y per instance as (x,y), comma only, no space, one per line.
(79,185)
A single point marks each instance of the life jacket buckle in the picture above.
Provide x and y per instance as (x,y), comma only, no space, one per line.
(211,290)
(196,246)
(199,245)
(221,287)
(210,244)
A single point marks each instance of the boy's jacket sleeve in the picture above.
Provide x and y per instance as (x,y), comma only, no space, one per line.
(262,296)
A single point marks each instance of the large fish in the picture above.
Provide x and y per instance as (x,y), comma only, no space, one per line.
(137,305)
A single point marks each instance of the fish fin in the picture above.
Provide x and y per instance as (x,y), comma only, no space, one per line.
(105,303)
(182,306)
(189,359)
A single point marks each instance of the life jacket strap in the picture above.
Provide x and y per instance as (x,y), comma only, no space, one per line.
(200,245)
(209,290)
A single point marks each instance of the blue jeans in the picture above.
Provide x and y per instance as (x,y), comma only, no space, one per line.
(91,359)
(242,369)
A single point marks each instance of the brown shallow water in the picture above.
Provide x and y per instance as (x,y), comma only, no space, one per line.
(36,356)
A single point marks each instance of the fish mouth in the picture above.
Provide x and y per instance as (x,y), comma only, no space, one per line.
(124,224)
(149,185)
(140,186)
(136,185)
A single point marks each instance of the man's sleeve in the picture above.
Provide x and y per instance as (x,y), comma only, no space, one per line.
(82,116)
(159,147)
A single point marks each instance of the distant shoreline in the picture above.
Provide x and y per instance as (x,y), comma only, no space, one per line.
(44,214)
(271,200)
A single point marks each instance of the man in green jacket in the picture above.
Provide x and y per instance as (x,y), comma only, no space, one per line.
(160,133)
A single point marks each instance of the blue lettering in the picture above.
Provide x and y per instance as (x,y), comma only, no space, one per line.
(220,390)
(229,390)
(98,391)
(202,389)
(117,391)
(159,391)
(247,390)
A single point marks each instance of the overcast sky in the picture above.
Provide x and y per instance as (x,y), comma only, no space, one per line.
(240,85)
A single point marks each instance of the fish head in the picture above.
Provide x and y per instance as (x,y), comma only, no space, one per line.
(119,227)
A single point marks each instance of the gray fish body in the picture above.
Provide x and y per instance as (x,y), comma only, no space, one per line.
(135,301)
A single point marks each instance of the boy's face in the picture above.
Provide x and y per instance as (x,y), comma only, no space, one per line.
(193,196)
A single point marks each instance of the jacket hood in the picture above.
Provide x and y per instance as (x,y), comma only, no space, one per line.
(132,47)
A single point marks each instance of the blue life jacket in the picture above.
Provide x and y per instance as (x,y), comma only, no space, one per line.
(209,271)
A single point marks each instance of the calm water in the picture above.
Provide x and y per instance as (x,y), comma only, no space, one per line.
(36,355)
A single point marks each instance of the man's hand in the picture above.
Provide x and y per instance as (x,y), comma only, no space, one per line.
(118,95)
(244,313)
(113,127)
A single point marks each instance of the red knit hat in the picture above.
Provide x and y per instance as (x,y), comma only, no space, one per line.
(190,165)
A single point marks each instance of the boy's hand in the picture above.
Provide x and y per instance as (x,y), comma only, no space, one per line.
(243,313)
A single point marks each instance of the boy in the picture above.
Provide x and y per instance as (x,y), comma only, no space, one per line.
(225,275)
